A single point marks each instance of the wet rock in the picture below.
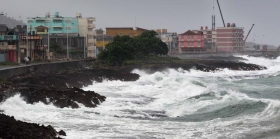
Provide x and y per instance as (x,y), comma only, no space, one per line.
(61,132)
(14,129)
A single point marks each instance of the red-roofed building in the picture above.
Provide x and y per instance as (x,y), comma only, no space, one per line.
(191,42)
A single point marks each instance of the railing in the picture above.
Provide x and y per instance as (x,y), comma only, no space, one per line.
(90,33)
(90,40)
(91,26)
(90,48)
(8,47)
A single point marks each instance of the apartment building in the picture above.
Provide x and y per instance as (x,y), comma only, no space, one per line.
(70,32)
(230,38)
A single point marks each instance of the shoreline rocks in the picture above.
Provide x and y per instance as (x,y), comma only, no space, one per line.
(10,128)
(63,89)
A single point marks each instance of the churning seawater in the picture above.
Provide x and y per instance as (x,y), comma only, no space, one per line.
(173,104)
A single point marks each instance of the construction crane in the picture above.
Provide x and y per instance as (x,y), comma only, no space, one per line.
(248,34)
(221,13)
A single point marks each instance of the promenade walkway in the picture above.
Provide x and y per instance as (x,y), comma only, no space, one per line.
(38,63)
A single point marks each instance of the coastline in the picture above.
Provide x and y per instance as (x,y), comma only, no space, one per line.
(63,86)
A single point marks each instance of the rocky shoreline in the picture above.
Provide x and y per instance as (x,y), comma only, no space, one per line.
(62,89)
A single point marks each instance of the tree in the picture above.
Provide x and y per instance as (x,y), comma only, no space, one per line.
(147,43)
(55,47)
(126,48)
(118,51)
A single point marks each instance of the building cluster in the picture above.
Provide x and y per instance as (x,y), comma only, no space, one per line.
(33,40)
(78,33)
(222,39)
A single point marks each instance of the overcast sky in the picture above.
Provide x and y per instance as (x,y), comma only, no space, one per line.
(173,15)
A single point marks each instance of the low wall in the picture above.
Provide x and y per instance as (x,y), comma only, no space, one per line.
(218,54)
(7,73)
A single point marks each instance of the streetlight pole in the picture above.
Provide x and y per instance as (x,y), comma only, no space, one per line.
(85,38)
(103,40)
(27,40)
(67,45)
(49,42)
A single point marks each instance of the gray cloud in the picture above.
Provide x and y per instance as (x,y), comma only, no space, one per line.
(174,15)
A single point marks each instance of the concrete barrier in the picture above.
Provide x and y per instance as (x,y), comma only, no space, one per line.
(218,54)
(6,73)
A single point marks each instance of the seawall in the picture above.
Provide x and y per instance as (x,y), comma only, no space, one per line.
(224,54)
(8,72)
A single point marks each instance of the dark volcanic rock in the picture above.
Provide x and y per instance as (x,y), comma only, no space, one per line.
(61,132)
(13,129)
(60,97)
(202,65)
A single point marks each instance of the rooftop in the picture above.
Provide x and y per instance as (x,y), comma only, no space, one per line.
(189,32)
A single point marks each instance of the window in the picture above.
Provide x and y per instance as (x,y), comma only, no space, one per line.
(57,21)
(182,37)
(192,36)
(30,21)
(40,30)
(57,29)
(189,37)
(189,44)
(40,21)
(68,21)
(198,36)
(68,28)
(192,43)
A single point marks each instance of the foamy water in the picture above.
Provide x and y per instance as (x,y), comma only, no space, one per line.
(171,104)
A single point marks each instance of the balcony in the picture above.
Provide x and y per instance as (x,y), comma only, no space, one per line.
(9,38)
(12,47)
(90,48)
(8,47)
(90,40)
(91,19)
(90,33)
(91,26)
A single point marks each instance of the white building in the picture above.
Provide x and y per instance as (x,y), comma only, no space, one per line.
(86,28)
(170,38)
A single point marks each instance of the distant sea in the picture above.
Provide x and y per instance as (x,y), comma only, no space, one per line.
(172,104)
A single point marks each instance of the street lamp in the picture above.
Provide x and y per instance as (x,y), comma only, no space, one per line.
(27,40)
(67,44)
(103,40)
(48,41)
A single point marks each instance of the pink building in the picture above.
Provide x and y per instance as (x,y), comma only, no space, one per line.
(191,41)
(230,38)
